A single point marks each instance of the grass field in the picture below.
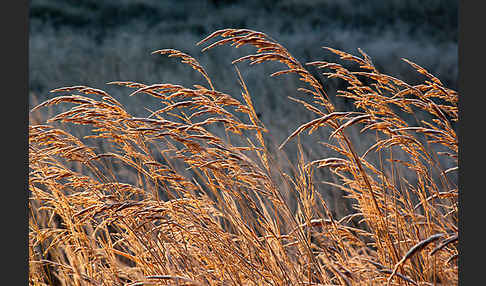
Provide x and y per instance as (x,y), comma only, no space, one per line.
(193,187)
(94,42)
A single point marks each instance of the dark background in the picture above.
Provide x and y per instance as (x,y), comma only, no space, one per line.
(92,42)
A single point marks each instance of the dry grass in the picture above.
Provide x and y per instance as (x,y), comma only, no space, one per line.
(205,209)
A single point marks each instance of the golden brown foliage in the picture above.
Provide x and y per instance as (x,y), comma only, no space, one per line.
(204,210)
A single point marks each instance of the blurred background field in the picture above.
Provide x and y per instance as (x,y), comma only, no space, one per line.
(94,42)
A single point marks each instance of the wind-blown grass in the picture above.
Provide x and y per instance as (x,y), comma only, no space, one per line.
(210,202)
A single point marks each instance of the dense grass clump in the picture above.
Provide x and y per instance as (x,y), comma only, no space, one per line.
(194,193)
